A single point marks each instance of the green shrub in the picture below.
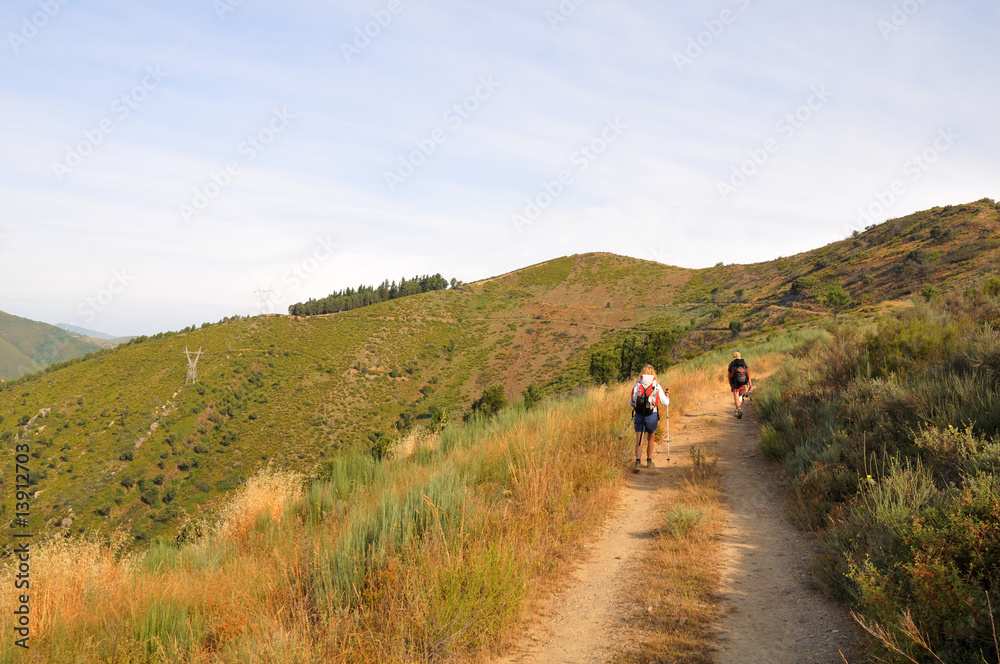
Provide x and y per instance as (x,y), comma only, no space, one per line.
(682,519)
(890,440)
(531,395)
(604,366)
(381,445)
(151,496)
(491,402)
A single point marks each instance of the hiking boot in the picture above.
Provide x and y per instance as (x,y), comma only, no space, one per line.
(649,464)
(638,465)
(736,412)
(739,413)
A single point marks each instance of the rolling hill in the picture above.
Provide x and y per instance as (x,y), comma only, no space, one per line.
(27,346)
(119,439)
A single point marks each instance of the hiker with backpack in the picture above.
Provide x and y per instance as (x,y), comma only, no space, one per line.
(646,396)
(739,382)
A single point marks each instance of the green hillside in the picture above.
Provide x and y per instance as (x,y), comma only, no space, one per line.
(942,248)
(118,439)
(27,346)
(14,363)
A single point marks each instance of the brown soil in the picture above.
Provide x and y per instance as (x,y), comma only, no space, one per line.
(769,611)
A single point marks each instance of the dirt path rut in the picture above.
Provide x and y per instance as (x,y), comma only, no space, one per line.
(769,612)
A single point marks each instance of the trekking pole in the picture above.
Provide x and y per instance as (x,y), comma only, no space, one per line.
(668,433)
(632,417)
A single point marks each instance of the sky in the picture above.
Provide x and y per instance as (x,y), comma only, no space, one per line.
(171,163)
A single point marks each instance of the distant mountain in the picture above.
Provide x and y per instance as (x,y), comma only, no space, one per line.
(83,332)
(27,346)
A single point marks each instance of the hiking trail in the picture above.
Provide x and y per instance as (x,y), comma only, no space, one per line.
(768,611)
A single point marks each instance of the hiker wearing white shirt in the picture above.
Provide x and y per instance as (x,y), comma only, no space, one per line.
(647,396)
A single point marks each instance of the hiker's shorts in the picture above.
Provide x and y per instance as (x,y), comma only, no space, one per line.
(741,390)
(646,423)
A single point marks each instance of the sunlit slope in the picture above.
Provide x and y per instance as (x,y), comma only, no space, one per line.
(14,363)
(27,346)
(950,247)
(119,440)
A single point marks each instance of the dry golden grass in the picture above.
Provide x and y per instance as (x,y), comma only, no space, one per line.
(245,591)
(266,495)
(675,606)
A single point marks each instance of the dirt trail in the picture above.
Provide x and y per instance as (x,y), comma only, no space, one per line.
(769,613)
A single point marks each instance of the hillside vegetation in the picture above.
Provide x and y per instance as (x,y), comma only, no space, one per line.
(434,554)
(27,346)
(890,437)
(119,439)
(364,296)
(430,557)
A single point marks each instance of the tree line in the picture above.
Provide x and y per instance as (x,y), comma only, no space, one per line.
(362,296)
(632,353)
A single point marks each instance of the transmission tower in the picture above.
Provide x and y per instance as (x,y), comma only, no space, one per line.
(264,297)
(192,376)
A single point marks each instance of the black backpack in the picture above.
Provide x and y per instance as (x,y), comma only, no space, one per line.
(740,374)
(645,400)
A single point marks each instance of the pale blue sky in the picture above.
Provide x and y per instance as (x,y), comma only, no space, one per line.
(103,228)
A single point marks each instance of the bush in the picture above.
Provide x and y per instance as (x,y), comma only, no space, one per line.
(491,402)
(684,518)
(801,285)
(381,445)
(736,326)
(151,496)
(532,396)
(891,443)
